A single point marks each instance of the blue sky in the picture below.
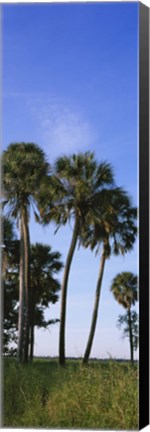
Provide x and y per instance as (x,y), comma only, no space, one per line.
(70,83)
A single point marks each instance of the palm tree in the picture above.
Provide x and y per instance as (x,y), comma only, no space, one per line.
(131,328)
(45,265)
(79,182)
(124,289)
(114,232)
(24,166)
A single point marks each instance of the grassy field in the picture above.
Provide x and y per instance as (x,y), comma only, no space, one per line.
(103,395)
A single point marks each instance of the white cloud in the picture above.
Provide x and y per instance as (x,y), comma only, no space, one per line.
(63,129)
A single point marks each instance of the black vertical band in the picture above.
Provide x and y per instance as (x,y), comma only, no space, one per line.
(144,215)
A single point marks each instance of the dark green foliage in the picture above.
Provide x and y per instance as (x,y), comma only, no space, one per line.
(10,266)
(78,181)
(124,289)
(24,166)
(123,321)
(10,246)
(114,224)
(44,266)
(10,313)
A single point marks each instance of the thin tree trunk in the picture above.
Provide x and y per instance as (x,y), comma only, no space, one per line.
(95,310)
(130,335)
(27,286)
(32,341)
(21,297)
(64,294)
(32,314)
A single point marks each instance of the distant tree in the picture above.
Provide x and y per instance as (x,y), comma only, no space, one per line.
(24,167)
(10,313)
(124,289)
(45,265)
(44,286)
(10,245)
(129,326)
(10,266)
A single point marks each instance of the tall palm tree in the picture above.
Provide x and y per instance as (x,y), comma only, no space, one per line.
(124,289)
(24,166)
(79,182)
(114,232)
(45,265)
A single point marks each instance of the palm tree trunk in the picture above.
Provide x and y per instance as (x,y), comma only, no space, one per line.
(95,310)
(21,297)
(130,335)
(64,294)
(27,285)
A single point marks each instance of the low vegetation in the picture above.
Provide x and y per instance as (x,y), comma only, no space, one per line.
(102,395)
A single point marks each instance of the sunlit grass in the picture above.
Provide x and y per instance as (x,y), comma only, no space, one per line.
(103,395)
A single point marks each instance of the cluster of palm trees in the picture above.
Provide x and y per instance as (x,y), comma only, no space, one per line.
(79,189)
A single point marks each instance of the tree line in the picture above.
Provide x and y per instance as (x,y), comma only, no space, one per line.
(76,188)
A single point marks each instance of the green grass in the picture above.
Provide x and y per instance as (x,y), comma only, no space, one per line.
(103,395)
